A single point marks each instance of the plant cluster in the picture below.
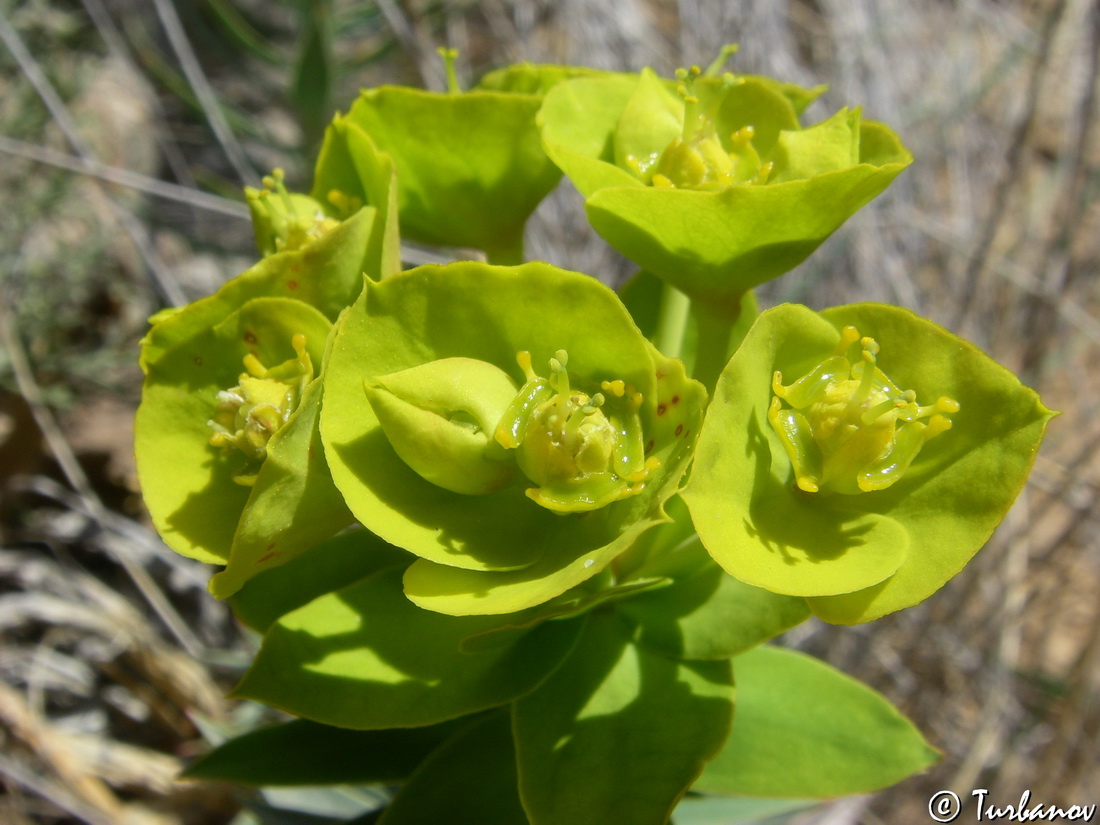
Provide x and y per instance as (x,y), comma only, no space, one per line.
(512,538)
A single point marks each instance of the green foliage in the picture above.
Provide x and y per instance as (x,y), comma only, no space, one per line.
(806,730)
(450,497)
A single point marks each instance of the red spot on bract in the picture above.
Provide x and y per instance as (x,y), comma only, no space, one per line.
(269,556)
(249,337)
(661,409)
(649,446)
(660,375)
(675,399)
(291,284)
(679,429)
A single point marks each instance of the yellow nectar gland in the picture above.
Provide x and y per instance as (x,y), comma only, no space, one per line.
(698,158)
(584,450)
(846,427)
(259,406)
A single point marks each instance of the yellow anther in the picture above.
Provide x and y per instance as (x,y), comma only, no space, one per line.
(742,136)
(616,387)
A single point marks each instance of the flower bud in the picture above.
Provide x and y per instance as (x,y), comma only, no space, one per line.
(847,427)
(250,413)
(583,449)
(440,418)
(284,221)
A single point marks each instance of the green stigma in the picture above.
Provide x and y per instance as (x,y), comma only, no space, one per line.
(582,447)
(700,158)
(847,427)
(248,414)
(450,56)
(286,221)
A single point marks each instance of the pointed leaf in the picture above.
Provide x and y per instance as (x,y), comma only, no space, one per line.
(365,657)
(618,733)
(470,780)
(326,567)
(302,752)
(806,730)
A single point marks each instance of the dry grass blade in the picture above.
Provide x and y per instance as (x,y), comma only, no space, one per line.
(124,177)
(201,86)
(30,68)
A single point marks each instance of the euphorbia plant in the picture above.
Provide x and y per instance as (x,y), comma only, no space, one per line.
(450,497)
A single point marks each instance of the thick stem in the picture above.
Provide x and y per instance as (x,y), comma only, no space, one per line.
(713,351)
(671,321)
(509,253)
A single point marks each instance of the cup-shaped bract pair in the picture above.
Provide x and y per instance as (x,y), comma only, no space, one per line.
(470,167)
(508,425)
(858,457)
(228,419)
(710,182)
(226,439)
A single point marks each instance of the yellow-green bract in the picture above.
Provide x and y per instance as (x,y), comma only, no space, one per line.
(470,168)
(536,536)
(714,187)
(860,556)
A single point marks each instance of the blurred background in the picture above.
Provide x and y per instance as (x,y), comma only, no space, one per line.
(127,130)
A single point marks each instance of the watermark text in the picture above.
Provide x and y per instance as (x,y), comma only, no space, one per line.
(945,806)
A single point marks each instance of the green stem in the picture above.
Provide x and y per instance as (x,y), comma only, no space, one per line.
(713,351)
(671,321)
(508,254)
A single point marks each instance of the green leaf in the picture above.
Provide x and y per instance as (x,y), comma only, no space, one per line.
(499,552)
(365,657)
(700,809)
(806,730)
(471,780)
(188,484)
(706,613)
(293,504)
(621,731)
(302,752)
(327,566)
(887,549)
